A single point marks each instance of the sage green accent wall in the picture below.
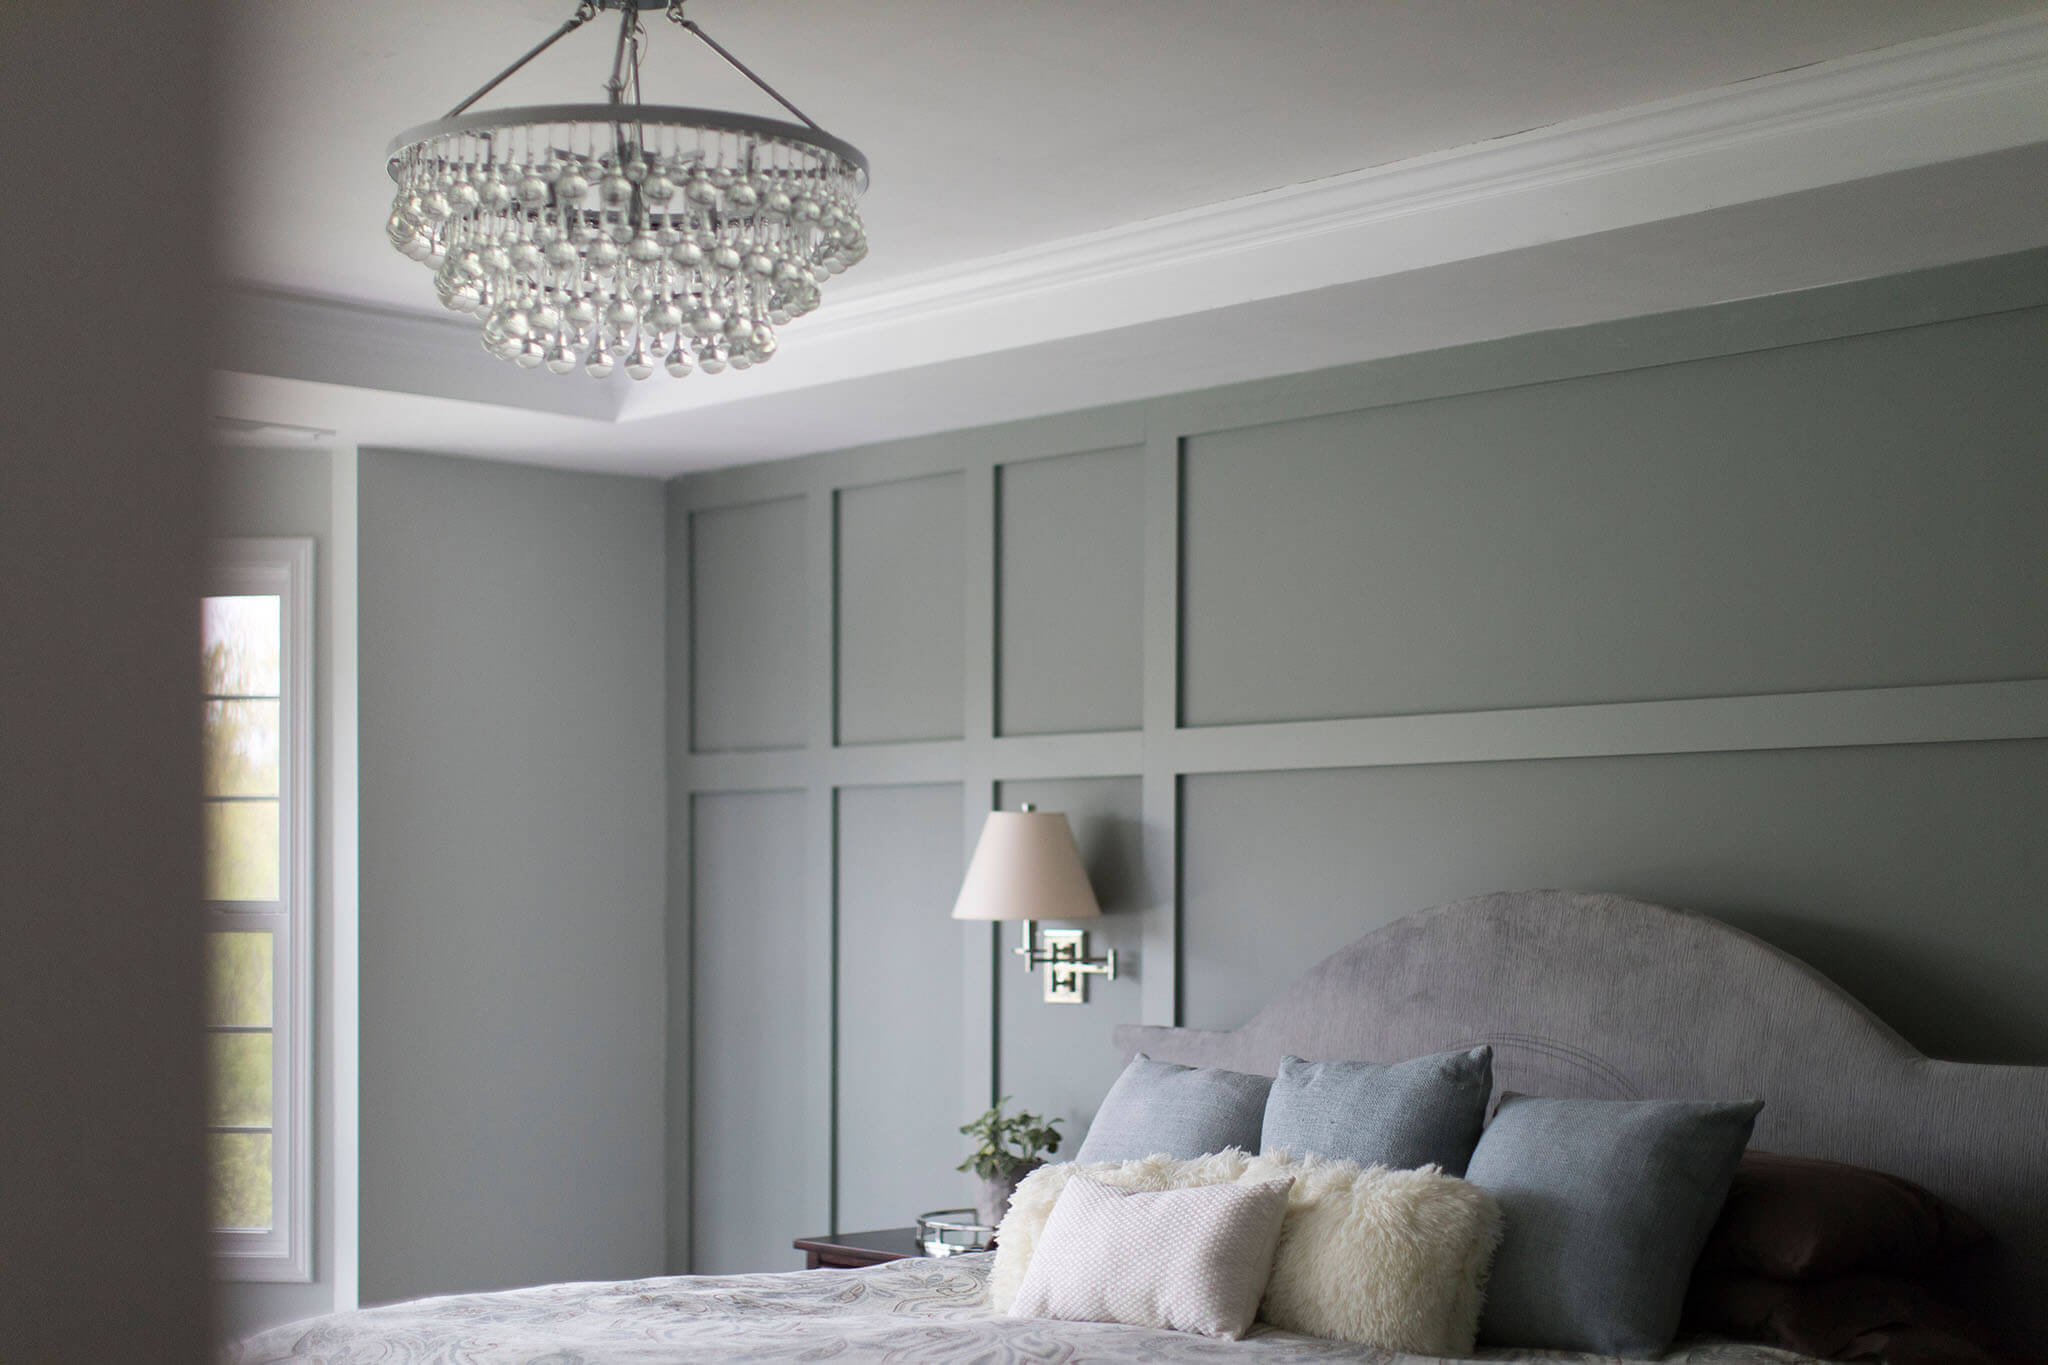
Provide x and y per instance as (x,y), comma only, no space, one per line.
(1069,583)
(748,564)
(899,611)
(747,885)
(1846,513)
(1744,609)
(1910,873)
(897,995)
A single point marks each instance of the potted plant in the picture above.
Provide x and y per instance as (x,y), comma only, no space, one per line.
(1009,1148)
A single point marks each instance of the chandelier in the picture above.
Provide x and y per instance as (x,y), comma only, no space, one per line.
(597,234)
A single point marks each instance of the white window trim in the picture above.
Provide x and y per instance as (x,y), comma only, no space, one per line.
(281,567)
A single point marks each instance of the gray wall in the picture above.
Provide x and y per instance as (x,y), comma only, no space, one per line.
(312,493)
(1744,609)
(513,993)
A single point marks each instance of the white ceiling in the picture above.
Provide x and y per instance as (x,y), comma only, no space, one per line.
(1015,145)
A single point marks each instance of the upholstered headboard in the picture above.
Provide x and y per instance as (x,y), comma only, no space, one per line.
(1603,996)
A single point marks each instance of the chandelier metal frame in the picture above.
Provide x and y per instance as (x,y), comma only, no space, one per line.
(578,231)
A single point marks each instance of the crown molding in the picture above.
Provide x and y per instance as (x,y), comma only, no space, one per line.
(1942,99)
(1996,72)
(1953,96)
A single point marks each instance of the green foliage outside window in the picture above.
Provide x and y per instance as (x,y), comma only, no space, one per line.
(240,1196)
(241,731)
(239,1064)
(238,977)
(241,851)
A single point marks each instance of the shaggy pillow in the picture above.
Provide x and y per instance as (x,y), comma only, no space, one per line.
(1395,1259)
(1192,1260)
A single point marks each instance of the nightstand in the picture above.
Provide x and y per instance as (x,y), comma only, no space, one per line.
(851,1250)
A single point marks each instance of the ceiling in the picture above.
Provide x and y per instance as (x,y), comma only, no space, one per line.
(1082,201)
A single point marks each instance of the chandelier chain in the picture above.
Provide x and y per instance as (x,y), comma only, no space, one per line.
(629,26)
(675,12)
(586,10)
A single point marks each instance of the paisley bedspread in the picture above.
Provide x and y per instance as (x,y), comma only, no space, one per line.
(903,1311)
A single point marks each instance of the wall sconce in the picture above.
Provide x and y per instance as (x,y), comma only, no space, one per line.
(1027,868)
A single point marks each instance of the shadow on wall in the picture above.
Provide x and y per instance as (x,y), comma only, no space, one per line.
(1113,850)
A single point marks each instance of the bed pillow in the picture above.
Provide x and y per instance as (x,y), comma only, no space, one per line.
(1849,1317)
(1395,1259)
(1424,1112)
(1181,1111)
(1796,1218)
(1191,1260)
(1608,1203)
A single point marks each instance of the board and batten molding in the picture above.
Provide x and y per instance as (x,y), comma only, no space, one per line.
(1965,443)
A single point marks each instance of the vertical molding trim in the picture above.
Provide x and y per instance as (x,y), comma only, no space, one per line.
(820,982)
(1159,965)
(819,951)
(679,921)
(681,926)
(980,539)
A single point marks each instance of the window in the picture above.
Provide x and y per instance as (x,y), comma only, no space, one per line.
(256,676)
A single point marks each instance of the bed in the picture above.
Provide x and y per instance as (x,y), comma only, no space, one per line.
(1580,996)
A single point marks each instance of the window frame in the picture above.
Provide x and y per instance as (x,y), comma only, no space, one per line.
(281,567)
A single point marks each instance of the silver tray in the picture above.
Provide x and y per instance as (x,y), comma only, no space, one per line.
(949,1232)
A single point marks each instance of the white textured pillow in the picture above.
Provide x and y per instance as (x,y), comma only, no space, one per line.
(1395,1259)
(1192,1260)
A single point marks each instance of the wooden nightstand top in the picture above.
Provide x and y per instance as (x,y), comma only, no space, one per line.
(853,1249)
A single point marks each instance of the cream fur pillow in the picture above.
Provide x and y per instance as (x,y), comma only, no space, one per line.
(1395,1259)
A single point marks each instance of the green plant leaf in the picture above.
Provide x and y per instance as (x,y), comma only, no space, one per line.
(1009,1141)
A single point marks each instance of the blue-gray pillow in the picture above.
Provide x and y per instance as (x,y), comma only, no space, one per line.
(1183,1111)
(1607,1204)
(1423,1112)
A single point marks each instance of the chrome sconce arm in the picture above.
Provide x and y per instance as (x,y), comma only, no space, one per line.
(1064,956)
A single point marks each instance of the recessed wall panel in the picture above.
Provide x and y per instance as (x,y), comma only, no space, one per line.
(1070,578)
(1911,874)
(901,618)
(1059,1059)
(1861,512)
(900,1002)
(751,1025)
(748,610)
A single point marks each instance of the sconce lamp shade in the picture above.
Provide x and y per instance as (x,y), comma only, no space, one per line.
(1026,866)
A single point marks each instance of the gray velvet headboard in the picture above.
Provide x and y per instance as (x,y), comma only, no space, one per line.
(1603,996)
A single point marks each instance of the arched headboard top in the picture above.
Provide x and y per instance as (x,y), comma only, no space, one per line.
(1609,997)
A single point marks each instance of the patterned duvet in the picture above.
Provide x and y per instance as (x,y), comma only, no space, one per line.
(903,1311)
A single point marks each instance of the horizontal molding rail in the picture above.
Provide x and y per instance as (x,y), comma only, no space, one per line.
(1923,298)
(1941,713)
